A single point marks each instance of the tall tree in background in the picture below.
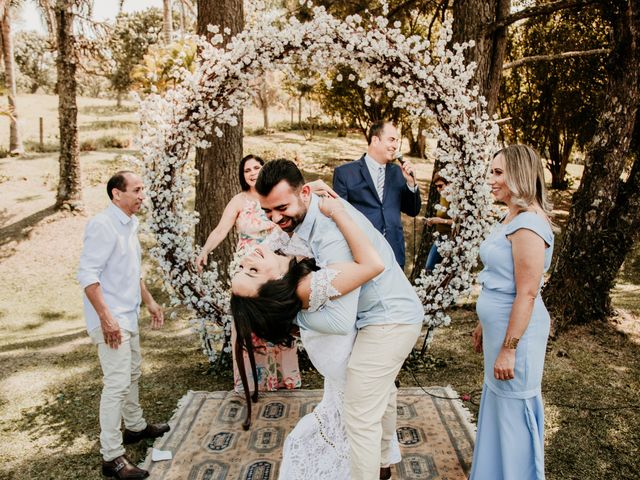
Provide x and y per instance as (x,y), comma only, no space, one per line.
(130,40)
(70,185)
(604,221)
(266,94)
(15,142)
(218,164)
(35,61)
(167,24)
(554,105)
(472,21)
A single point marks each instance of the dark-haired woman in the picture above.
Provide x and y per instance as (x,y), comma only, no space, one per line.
(317,449)
(277,366)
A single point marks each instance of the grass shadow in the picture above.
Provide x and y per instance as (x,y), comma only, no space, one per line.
(107,110)
(28,198)
(109,125)
(42,343)
(16,231)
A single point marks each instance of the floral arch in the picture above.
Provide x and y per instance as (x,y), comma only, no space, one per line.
(425,80)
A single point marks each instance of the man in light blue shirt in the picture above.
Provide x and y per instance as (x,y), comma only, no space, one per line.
(388,312)
(110,275)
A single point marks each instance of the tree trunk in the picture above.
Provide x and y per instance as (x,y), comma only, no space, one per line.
(265,117)
(167,22)
(15,142)
(422,139)
(218,165)
(300,110)
(407,131)
(69,186)
(417,143)
(183,14)
(471,19)
(605,215)
(559,152)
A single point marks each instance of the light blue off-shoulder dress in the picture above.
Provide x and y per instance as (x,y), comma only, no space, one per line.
(510,437)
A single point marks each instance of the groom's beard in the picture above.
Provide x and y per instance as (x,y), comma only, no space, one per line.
(288,224)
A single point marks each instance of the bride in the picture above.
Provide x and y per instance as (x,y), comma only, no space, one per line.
(269,292)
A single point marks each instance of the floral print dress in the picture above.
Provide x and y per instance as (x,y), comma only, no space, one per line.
(277,366)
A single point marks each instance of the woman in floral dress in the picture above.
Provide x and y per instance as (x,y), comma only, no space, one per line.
(277,366)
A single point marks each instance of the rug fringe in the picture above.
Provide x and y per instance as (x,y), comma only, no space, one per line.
(464,413)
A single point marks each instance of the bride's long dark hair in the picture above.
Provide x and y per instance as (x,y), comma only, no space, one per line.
(269,316)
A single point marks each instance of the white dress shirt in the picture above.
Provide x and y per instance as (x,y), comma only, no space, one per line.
(111,257)
(374,168)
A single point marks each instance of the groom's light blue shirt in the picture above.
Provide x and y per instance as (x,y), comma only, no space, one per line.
(389,298)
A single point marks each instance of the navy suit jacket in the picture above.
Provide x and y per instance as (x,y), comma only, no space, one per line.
(353,182)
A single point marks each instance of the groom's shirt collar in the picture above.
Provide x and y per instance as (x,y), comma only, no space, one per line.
(304,229)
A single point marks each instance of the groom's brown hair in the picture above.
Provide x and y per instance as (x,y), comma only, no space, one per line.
(274,172)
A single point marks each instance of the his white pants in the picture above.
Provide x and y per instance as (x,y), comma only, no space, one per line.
(119,399)
(370,394)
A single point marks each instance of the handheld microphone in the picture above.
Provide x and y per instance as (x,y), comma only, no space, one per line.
(398,156)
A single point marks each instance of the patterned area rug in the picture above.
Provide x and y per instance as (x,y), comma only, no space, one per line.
(208,443)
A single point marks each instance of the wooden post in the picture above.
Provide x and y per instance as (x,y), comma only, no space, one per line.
(41,134)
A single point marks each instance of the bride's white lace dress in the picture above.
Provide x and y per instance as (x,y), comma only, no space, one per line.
(317,448)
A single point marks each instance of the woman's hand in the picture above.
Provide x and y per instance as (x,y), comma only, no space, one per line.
(504,368)
(432,220)
(476,337)
(157,315)
(201,260)
(320,188)
(329,206)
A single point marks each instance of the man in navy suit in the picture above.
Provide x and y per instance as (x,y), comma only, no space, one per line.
(379,188)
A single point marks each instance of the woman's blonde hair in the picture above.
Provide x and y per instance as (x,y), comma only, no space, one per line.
(524,176)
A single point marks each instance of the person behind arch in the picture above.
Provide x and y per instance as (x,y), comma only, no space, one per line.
(276,365)
(442,222)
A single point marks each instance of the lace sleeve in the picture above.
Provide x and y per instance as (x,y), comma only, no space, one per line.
(322,290)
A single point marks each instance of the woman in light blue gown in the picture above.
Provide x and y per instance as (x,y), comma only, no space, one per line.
(514,323)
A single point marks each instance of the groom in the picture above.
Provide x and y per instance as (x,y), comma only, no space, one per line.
(388,312)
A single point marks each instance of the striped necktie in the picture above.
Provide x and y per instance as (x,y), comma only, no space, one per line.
(380,183)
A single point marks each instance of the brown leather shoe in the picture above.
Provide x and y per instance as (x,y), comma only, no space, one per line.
(385,473)
(121,467)
(154,430)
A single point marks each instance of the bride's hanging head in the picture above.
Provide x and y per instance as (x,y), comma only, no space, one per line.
(270,310)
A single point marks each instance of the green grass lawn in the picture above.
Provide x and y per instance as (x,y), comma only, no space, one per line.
(50,376)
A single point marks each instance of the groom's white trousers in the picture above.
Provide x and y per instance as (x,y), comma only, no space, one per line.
(370,394)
